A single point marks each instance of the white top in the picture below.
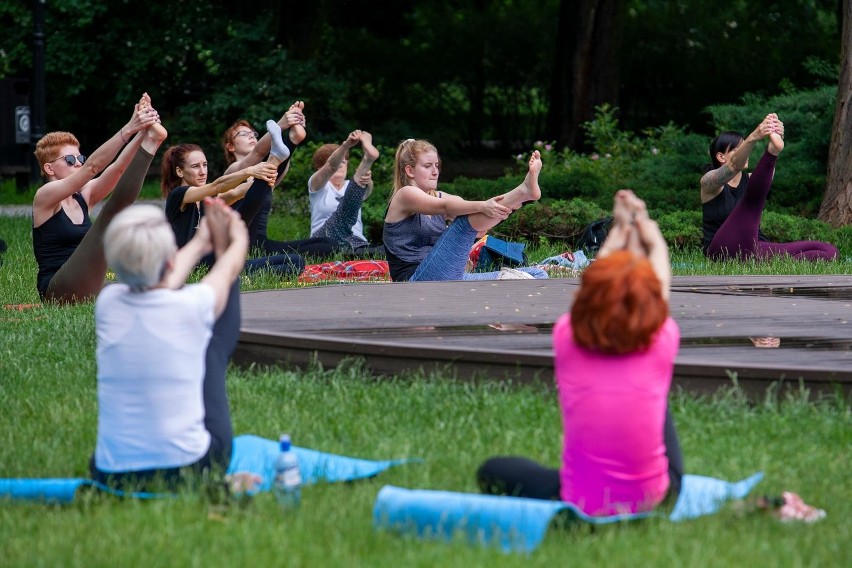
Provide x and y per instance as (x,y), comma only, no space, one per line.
(151,352)
(324,202)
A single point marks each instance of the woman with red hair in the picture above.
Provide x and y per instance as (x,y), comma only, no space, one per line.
(613,359)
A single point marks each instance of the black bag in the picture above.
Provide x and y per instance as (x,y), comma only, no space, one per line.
(594,235)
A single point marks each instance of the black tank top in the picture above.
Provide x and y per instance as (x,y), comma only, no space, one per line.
(716,211)
(55,240)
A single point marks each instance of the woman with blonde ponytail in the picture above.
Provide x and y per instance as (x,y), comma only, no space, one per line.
(419,244)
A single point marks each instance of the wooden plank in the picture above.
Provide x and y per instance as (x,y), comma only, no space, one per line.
(407,326)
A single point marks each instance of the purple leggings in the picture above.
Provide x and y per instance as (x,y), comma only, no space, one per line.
(737,237)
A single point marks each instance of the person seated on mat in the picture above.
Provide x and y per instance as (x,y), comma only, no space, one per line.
(613,360)
(184,185)
(238,142)
(418,242)
(68,245)
(733,201)
(336,201)
(162,407)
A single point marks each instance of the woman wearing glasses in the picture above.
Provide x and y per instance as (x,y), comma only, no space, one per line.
(68,245)
(238,143)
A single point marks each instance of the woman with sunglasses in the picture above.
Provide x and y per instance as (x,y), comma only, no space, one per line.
(68,245)
(238,143)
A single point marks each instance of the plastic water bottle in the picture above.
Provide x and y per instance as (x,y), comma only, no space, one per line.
(287,484)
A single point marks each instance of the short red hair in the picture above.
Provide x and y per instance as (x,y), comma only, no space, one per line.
(619,306)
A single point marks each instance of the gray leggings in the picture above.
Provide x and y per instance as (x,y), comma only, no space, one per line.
(338,227)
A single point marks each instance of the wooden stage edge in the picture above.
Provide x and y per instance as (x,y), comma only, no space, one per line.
(302,350)
(284,328)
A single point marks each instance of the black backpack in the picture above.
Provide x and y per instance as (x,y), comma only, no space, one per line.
(594,235)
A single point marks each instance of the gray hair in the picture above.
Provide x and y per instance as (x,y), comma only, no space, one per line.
(137,244)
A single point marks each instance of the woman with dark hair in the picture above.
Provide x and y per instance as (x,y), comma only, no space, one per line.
(733,201)
(238,143)
(613,360)
(184,185)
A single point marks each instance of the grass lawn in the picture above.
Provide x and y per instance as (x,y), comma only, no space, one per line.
(48,393)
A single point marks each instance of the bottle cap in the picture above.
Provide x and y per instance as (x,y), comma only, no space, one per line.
(284,442)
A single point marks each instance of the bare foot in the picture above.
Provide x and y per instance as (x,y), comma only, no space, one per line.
(371,153)
(531,191)
(622,213)
(776,144)
(297,131)
(353,138)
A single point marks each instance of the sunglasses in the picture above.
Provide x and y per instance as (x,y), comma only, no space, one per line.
(70,160)
(252,133)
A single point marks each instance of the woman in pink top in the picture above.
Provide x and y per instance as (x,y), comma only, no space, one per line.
(613,359)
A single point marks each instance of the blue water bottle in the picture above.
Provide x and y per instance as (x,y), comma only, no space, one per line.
(287,484)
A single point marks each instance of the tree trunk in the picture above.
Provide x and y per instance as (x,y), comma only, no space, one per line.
(586,70)
(836,206)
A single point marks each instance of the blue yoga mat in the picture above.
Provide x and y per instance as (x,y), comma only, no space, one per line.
(519,525)
(251,454)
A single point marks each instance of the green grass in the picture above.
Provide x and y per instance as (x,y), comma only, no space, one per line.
(49,420)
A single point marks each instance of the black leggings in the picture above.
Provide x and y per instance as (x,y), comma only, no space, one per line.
(217,412)
(523,477)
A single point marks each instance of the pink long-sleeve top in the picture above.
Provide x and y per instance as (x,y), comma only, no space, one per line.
(613,414)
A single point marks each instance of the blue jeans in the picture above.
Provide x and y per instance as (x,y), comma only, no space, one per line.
(448,258)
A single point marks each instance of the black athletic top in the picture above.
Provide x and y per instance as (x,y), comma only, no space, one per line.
(184,223)
(716,211)
(55,240)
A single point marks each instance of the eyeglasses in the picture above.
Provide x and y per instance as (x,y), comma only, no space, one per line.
(70,160)
(252,133)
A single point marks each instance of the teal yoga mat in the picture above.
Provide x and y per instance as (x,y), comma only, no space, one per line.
(251,454)
(519,525)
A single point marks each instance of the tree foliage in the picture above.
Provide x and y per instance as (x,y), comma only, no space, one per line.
(468,74)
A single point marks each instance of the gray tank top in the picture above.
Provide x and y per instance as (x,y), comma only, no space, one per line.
(407,242)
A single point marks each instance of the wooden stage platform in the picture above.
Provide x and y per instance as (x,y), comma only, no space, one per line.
(501,329)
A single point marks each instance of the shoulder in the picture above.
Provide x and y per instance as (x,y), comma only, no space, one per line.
(562,332)
(200,298)
(174,200)
(668,337)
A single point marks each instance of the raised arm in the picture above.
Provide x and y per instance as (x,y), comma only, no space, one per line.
(188,257)
(48,197)
(324,174)
(230,243)
(651,239)
(227,182)
(149,139)
(410,200)
(293,118)
(713,181)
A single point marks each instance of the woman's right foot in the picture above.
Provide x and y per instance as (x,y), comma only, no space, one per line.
(776,144)
(371,153)
(531,190)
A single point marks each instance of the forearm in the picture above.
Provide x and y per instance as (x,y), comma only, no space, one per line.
(221,185)
(186,260)
(106,182)
(258,153)
(615,240)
